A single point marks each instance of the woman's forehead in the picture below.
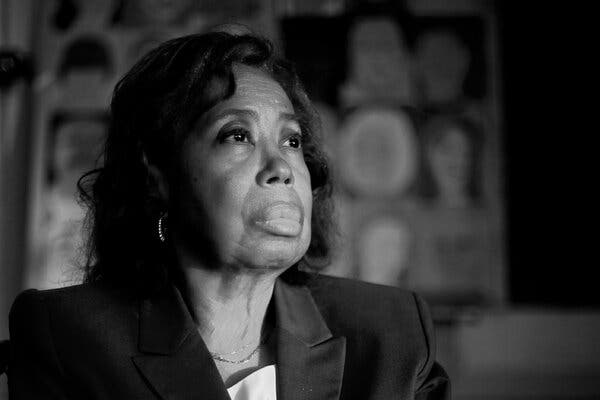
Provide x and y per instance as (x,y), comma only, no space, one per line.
(255,87)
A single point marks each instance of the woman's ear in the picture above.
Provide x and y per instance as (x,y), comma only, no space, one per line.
(159,179)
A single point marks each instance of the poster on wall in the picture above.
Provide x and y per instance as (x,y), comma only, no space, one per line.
(415,150)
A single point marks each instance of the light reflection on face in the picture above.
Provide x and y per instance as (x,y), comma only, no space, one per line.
(244,187)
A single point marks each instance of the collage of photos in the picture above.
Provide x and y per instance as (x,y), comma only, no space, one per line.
(409,122)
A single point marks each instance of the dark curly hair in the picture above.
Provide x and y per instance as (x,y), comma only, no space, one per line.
(153,109)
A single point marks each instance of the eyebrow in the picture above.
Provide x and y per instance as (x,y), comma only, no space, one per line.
(235,112)
(290,117)
(251,114)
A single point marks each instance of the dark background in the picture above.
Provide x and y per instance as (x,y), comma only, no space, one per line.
(547,86)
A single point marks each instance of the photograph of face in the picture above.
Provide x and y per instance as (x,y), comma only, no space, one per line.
(379,63)
(443,62)
(450,67)
(450,160)
(384,250)
(451,169)
(377,152)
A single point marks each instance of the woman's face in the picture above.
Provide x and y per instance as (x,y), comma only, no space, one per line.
(244,193)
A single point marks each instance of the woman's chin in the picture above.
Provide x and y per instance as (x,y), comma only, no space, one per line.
(274,255)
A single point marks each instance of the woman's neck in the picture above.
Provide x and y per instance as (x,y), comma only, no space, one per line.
(228,306)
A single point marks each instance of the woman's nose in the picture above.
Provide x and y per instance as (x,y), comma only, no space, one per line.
(276,171)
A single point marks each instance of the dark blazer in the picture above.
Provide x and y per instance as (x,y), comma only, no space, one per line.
(336,339)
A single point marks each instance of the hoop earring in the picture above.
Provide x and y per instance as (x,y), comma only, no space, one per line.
(162,227)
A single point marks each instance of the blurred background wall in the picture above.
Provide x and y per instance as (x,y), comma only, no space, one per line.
(441,123)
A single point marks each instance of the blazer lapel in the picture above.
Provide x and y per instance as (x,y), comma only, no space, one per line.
(310,361)
(175,361)
(177,365)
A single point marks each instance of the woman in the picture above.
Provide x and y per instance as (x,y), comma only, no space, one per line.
(212,194)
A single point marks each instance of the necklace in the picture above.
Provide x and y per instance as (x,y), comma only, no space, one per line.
(218,357)
(221,357)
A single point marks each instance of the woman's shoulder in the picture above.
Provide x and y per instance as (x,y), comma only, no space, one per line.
(387,326)
(93,302)
(352,287)
(352,292)
(92,293)
(377,307)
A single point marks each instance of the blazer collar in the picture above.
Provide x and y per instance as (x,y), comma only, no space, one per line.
(165,323)
(309,364)
(175,361)
(297,314)
(310,360)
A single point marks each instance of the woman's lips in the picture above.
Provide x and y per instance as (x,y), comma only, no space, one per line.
(281,218)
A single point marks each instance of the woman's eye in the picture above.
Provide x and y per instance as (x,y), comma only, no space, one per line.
(294,141)
(238,135)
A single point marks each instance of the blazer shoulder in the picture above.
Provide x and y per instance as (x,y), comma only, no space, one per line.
(34,299)
(84,292)
(389,318)
(367,304)
(357,293)
(78,305)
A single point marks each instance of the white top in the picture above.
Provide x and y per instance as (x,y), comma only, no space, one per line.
(259,385)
